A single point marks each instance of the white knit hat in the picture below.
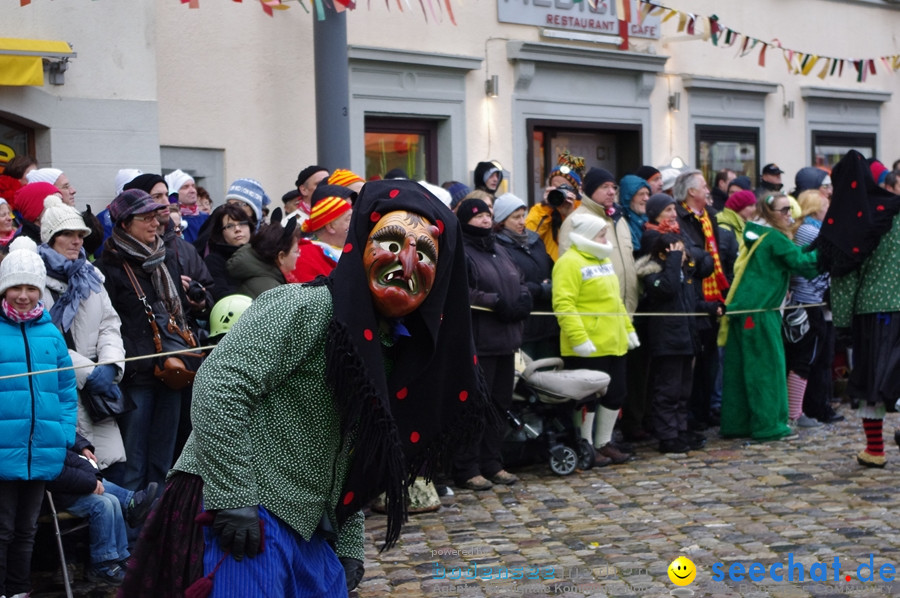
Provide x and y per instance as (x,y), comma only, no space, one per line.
(44,175)
(124,176)
(23,265)
(58,217)
(176,179)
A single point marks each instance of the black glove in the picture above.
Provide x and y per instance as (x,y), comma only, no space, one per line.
(238,531)
(516,310)
(354,570)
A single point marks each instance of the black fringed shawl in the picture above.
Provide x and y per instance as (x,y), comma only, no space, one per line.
(405,422)
(860,213)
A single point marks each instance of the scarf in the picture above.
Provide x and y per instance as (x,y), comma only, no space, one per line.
(152,260)
(82,280)
(18,317)
(191,210)
(636,224)
(860,213)
(812,222)
(519,240)
(409,406)
(5,239)
(665,227)
(715,283)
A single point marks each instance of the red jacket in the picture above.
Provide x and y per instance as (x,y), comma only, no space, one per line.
(312,262)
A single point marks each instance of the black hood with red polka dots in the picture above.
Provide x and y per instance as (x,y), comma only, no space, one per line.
(407,402)
(859,214)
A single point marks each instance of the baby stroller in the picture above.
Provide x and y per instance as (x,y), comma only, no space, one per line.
(542,414)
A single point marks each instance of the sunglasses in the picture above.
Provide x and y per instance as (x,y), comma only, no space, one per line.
(784,211)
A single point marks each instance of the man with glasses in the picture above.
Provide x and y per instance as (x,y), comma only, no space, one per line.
(58,179)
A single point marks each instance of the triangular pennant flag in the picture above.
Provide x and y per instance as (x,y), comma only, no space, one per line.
(871,67)
(809,63)
(825,69)
(834,66)
(682,22)
(670,14)
(690,26)
(762,55)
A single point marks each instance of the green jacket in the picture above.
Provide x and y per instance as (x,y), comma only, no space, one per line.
(874,287)
(768,272)
(266,428)
(251,275)
(730,219)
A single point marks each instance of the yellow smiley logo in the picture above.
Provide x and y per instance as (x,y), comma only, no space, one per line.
(682,571)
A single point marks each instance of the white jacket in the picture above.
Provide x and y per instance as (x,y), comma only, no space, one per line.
(97,336)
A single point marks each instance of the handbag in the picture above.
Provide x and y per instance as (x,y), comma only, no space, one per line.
(795,324)
(175,371)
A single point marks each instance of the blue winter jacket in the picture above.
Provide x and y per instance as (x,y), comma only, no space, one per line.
(37,413)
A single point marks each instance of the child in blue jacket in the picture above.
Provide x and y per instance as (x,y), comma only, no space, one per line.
(37,412)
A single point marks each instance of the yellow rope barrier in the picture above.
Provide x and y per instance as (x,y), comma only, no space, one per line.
(474,307)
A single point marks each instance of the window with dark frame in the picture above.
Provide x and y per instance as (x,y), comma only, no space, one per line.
(733,148)
(405,143)
(15,140)
(829,147)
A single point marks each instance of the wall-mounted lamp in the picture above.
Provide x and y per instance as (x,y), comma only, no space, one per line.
(492,86)
(788,109)
(675,101)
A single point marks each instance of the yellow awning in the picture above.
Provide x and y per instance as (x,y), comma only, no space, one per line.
(21,60)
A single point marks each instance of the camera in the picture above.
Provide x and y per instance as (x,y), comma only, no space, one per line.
(196,292)
(557,197)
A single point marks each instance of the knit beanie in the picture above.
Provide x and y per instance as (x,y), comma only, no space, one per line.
(22,265)
(177,178)
(647,172)
(740,200)
(596,177)
(345,178)
(126,175)
(59,217)
(469,208)
(8,187)
(29,200)
(457,192)
(742,181)
(251,193)
(44,175)
(325,211)
(657,203)
(879,171)
(628,186)
(505,205)
(570,168)
(439,192)
(584,228)
(308,172)
(144,182)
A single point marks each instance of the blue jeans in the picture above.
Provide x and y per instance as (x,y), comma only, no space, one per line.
(108,530)
(148,434)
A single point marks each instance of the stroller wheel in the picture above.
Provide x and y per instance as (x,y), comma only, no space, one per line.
(563,460)
(586,455)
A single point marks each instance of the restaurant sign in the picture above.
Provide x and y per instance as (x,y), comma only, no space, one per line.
(580,16)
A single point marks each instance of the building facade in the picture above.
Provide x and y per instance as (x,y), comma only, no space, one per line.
(225,91)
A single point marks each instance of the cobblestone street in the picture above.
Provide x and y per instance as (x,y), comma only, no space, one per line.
(613,531)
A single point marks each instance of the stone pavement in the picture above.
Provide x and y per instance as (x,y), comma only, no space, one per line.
(613,531)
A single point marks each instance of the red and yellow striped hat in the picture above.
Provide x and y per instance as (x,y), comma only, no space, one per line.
(344,178)
(326,210)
